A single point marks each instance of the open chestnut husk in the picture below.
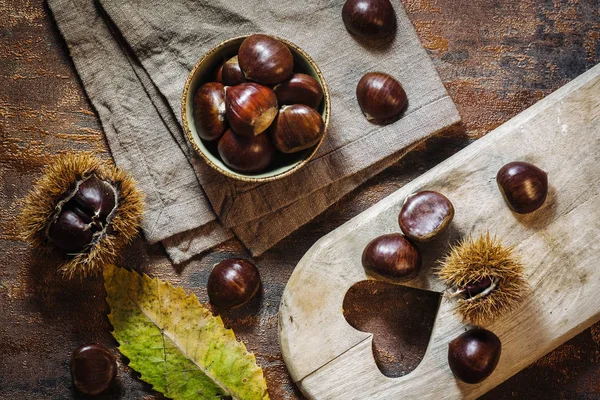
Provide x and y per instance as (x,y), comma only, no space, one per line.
(232,73)
(473,355)
(232,283)
(93,369)
(250,108)
(265,59)
(372,19)
(381,97)
(425,215)
(83,209)
(391,257)
(296,128)
(245,154)
(299,89)
(523,186)
(486,278)
(209,110)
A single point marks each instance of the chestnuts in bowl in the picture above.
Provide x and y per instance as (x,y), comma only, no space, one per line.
(523,186)
(381,97)
(391,257)
(245,117)
(473,355)
(232,283)
(425,215)
(371,19)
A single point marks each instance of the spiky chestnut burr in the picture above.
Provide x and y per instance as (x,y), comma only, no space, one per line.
(485,276)
(84,209)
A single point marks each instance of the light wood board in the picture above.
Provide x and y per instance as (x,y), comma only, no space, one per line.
(559,245)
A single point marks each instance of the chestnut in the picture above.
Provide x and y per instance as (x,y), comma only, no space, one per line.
(93,369)
(299,89)
(391,257)
(245,154)
(232,73)
(424,215)
(219,74)
(473,355)
(265,59)
(250,108)
(232,283)
(84,215)
(372,19)
(523,186)
(297,127)
(380,97)
(209,110)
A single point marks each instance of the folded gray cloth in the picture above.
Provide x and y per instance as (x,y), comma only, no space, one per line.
(133,57)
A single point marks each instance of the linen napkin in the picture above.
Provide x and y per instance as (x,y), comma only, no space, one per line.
(133,57)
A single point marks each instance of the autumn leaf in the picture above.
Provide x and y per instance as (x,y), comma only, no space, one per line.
(177,345)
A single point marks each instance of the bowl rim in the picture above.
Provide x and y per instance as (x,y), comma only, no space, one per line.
(239,176)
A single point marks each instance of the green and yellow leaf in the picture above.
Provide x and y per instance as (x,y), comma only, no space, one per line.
(177,345)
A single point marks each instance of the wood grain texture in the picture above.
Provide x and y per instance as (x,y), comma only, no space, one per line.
(496,58)
(558,245)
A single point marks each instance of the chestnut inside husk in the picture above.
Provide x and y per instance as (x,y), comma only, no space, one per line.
(93,369)
(233,282)
(84,209)
(473,355)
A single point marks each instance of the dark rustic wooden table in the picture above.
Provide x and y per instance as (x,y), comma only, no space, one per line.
(495,57)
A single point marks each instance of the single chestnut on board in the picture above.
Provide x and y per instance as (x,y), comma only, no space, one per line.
(372,19)
(299,89)
(380,97)
(232,73)
(424,215)
(523,186)
(297,127)
(93,369)
(209,110)
(265,59)
(232,283)
(245,154)
(391,257)
(250,108)
(473,355)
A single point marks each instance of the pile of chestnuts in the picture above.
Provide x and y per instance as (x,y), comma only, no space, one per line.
(259,106)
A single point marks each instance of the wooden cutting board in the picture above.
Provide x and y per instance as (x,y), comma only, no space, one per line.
(559,245)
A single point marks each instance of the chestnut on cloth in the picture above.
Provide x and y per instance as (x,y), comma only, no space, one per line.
(133,57)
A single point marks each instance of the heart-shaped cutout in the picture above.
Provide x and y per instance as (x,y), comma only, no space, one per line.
(400,318)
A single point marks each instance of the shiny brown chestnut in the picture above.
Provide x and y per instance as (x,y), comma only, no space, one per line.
(297,127)
(380,97)
(232,73)
(473,355)
(250,108)
(265,59)
(245,154)
(209,110)
(391,257)
(299,89)
(523,186)
(424,215)
(232,283)
(82,216)
(93,369)
(372,19)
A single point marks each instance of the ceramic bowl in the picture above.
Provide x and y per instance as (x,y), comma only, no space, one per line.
(204,71)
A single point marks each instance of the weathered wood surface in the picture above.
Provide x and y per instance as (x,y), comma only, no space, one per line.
(559,245)
(496,59)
